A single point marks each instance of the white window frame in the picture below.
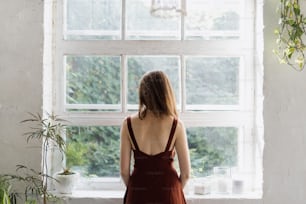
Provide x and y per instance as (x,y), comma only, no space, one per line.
(235,116)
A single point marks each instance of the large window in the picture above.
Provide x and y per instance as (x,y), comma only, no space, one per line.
(103,47)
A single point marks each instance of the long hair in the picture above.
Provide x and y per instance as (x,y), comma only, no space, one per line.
(156,95)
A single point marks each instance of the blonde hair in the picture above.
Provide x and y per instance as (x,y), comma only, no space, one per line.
(156,95)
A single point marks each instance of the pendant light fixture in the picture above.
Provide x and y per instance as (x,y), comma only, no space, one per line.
(168,8)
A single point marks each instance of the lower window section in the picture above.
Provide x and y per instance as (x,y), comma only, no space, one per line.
(223,159)
(94,150)
(212,147)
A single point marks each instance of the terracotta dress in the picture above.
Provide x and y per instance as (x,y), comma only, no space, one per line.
(154,179)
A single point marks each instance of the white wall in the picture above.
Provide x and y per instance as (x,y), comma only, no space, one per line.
(21,46)
(285,123)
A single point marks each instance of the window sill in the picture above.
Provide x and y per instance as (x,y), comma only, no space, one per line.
(113,197)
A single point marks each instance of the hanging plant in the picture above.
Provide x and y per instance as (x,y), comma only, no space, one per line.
(290,35)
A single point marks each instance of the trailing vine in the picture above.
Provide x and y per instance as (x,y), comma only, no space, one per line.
(290,35)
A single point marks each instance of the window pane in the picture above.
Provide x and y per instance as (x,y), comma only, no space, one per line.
(211,147)
(141,25)
(208,19)
(212,80)
(92,79)
(138,66)
(94,151)
(93,19)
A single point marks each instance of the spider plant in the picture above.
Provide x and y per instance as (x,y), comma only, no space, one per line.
(291,34)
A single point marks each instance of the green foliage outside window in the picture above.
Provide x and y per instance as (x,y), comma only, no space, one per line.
(210,147)
(93,80)
(94,150)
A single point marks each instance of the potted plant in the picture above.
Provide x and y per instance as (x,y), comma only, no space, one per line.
(50,130)
(66,181)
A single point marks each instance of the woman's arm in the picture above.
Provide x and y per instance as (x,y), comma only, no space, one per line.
(181,147)
(125,153)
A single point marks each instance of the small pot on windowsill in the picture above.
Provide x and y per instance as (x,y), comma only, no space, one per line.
(66,181)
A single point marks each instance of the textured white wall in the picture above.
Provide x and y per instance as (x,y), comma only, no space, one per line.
(285,124)
(21,43)
(21,52)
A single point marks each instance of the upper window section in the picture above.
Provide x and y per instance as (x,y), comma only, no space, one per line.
(132,20)
(92,80)
(212,80)
(97,82)
(141,25)
(137,66)
(92,19)
(208,19)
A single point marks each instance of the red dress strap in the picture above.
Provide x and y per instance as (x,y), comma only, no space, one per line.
(171,134)
(129,124)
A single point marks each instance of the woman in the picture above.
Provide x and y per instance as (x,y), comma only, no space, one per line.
(154,135)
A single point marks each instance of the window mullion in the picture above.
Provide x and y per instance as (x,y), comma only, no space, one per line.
(123,20)
(183,84)
(59,73)
(124,83)
(183,21)
(213,118)
(62,20)
(153,47)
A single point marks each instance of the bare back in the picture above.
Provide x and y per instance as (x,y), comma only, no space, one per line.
(152,133)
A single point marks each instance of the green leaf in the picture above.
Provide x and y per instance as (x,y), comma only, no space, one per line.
(291,22)
(300,61)
(283,61)
(276,31)
(296,9)
(288,4)
(290,51)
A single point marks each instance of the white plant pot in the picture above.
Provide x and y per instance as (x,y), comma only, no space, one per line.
(66,183)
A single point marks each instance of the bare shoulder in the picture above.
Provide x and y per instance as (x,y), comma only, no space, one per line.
(180,125)
(124,125)
(180,128)
(124,122)
(134,117)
